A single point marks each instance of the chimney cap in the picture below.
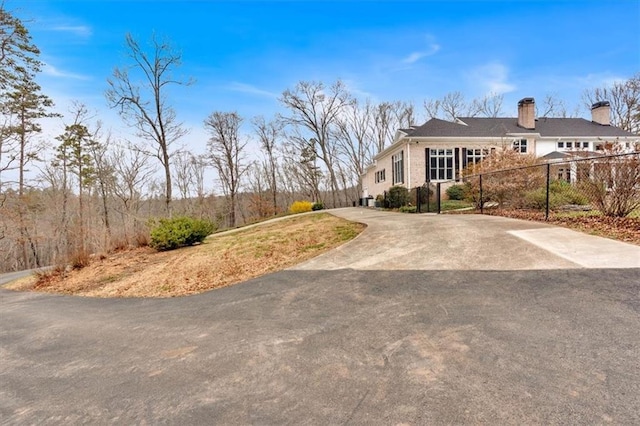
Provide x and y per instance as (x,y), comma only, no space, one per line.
(526,101)
(600,104)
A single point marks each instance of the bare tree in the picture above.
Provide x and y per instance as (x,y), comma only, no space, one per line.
(132,172)
(489,105)
(551,106)
(183,172)
(383,125)
(354,140)
(269,133)
(316,109)
(300,167)
(432,108)
(404,114)
(144,105)
(104,175)
(226,151)
(624,98)
(453,105)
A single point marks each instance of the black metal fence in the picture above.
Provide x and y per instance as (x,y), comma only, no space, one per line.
(602,184)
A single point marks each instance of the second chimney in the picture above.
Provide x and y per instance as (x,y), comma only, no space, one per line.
(600,113)
(527,113)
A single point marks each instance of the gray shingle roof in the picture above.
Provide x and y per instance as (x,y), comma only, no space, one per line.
(497,127)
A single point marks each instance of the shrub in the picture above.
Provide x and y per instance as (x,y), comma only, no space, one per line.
(301,207)
(560,193)
(398,196)
(408,209)
(538,199)
(614,184)
(456,192)
(170,234)
(317,206)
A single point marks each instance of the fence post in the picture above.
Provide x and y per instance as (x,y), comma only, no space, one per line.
(428,196)
(481,202)
(438,196)
(546,214)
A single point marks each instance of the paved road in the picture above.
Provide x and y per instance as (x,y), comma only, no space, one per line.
(11,276)
(388,341)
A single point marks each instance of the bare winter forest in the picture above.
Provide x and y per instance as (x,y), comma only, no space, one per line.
(84,192)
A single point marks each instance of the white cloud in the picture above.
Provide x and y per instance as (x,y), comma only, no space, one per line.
(50,70)
(354,88)
(430,48)
(414,57)
(79,30)
(493,77)
(600,80)
(250,89)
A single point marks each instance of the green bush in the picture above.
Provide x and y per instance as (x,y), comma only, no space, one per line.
(408,209)
(560,193)
(456,192)
(170,234)
(569,193)
(317,206)
(398,196)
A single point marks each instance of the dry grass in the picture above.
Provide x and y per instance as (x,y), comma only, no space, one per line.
(220,261)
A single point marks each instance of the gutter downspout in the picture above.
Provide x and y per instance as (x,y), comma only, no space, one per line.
(408,165)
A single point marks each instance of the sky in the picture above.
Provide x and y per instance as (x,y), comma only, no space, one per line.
(242,55)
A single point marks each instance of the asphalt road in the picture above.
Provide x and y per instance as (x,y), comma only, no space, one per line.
(382,342)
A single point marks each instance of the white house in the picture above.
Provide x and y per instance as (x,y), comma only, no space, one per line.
(439,150)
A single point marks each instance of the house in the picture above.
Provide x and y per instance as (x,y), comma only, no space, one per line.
(439,150)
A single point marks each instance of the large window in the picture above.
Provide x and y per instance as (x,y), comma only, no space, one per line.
(380,176)
(398,167)
(520,145)
(441,164)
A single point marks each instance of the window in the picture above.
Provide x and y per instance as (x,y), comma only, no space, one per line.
(441,164)
(380,176)
(585,145)
(520,145)
(569,144)
(398,167)
(564,174)
(474,156)
(560,145)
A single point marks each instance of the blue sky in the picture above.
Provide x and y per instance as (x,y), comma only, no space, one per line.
(243,54)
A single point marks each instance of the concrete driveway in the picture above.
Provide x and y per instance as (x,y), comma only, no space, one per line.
(420,320)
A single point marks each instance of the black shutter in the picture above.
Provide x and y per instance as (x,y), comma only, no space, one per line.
(456,169)
(428,165)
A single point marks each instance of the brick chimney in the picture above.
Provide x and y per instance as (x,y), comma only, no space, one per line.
(600,113)
(527,113)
